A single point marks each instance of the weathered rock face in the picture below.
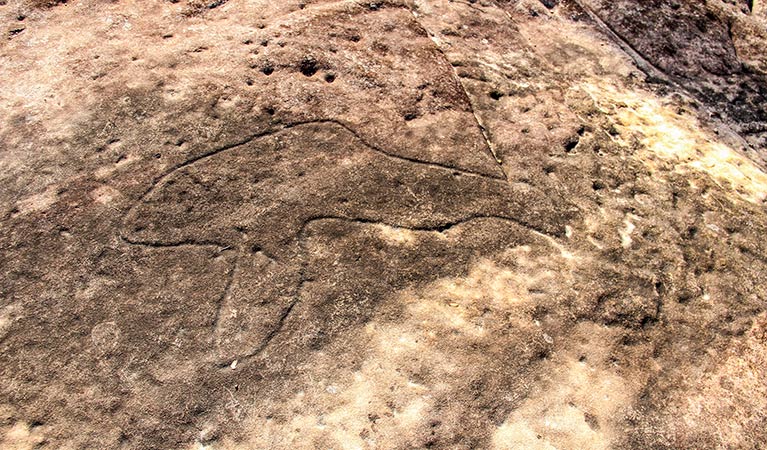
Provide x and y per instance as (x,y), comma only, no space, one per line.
(389,224)
(714,50)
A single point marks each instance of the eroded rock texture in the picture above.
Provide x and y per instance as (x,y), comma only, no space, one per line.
(389,224)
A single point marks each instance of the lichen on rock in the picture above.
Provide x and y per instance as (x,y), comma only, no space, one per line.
(391,224)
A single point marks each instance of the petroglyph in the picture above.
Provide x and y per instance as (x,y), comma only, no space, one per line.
(259,196)
(388,224)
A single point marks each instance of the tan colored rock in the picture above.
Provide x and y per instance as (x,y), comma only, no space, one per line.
(388,224)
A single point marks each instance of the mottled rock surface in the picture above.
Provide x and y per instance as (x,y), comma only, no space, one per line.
(383,224)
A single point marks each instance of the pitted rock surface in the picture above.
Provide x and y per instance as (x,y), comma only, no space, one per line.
(459,224)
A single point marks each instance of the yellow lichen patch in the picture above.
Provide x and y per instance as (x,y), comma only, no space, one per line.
(8,314)
(760,7)
(626,232)
(732,398)
(383,401)
(668,135)
(38,202)
(456,303)
(578,403)
(105,195)
(503,285)
(378,403)
(396,235)
(21,436)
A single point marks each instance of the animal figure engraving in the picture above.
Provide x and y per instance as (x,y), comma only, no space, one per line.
(259,198)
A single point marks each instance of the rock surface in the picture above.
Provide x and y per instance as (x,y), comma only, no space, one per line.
(383,224)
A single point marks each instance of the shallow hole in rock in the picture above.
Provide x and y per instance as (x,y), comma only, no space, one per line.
(597,185)
(496,95)
(329,77)
(215,4)
(571,144)
(308,66)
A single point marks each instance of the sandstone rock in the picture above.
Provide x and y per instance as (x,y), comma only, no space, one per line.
(391,224)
